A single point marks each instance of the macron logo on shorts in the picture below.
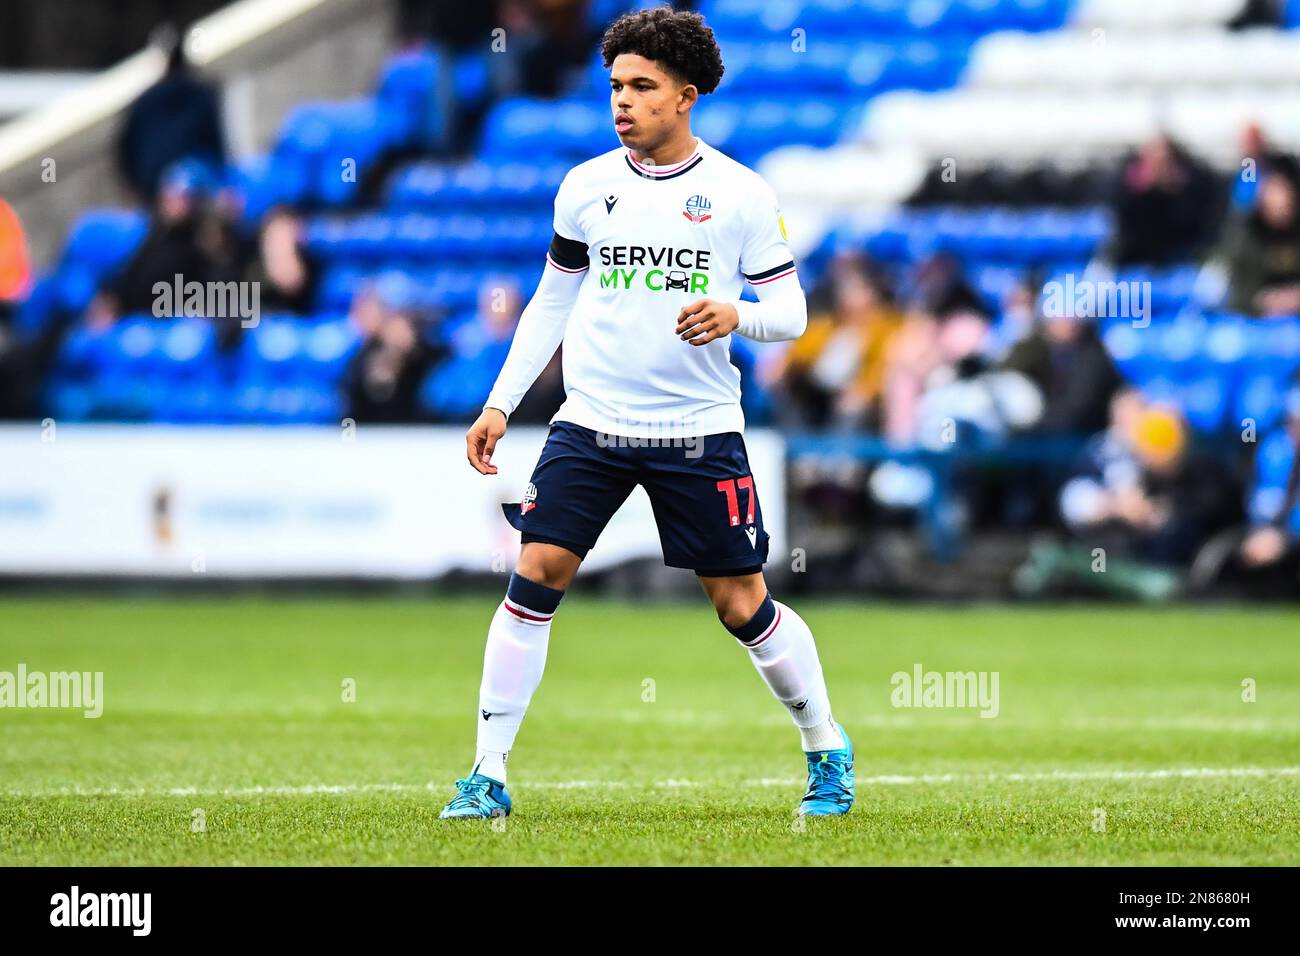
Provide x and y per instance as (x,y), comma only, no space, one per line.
(530,499)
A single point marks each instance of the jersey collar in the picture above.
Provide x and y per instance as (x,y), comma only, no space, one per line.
(666,172)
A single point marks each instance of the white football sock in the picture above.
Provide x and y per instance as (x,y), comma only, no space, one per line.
(512,668)
(786,657)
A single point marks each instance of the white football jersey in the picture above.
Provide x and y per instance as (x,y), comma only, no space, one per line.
(658,238)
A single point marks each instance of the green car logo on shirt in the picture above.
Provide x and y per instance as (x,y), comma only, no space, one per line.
(656,280)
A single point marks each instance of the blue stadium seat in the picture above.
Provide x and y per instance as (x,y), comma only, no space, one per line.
(406,85)
(70,401)
(1273,458)
(1132,352)
(101,240)
(1227,341)
(270,180)
(82,355)
(1275,345)
(544,130)
(187,347)
(420,237)
(39,309)
(335,142)
(328,346)
(274,353)
(299,405)
(135,346)
(1204,400)
(74,286)
(1260,398)
(457,388)
(479,185)
(1180,342)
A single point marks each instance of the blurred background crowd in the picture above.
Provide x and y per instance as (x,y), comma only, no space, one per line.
(1051,250)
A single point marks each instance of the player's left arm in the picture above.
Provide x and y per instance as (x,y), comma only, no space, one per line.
(781,311)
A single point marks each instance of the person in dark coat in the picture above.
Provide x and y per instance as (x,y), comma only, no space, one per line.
(184,239)
(1065,358)
(1168,207)
(178,118)
(1260,250)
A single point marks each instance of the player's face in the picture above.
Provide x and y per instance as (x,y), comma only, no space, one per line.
(648,104)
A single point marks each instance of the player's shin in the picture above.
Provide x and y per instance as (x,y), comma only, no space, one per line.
(512,668)
(785,655)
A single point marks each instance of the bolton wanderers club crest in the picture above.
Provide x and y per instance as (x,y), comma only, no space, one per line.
(530,499)
(697,208)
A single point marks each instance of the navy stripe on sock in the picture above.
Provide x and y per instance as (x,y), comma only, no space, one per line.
(752,629)
(531,595)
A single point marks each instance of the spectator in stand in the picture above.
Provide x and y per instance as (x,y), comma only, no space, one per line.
(834,373)
(185,239)
(1110,472)
(942,339)
(1256,159)
(539,44)
(1260,249)
(286,273)
(1064,356)
(557,38)
(19,374)
(1145,498)
(1180,498)
(15,261)
(1264,558)
(178,118)
(1168,208)
(382,382)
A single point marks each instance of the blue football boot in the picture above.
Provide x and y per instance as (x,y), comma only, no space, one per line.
(477,797)
(830,780)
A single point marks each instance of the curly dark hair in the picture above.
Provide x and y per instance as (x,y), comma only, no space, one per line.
(679,41)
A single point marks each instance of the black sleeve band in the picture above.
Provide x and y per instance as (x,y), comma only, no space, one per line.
(568,253)
(770,272)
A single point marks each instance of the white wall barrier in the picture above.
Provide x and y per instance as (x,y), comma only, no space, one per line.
(123,500)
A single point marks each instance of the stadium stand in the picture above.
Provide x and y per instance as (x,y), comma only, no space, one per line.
(868,96)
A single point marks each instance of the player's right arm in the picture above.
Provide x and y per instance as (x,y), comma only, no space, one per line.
(538,335)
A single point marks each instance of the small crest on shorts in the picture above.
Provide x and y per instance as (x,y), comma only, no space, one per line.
(530,499)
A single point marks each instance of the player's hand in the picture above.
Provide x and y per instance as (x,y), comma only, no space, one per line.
(481,440)
(705,320)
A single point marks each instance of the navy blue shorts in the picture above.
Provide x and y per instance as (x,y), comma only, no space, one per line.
(703,495)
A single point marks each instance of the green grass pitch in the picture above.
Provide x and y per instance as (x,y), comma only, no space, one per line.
(651,740)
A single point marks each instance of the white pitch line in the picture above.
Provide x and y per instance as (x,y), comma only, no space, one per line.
(1175,773)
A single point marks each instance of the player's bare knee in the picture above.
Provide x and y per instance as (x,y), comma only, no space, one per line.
(737,600)
(547,565)
(732,613)
(541,573)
